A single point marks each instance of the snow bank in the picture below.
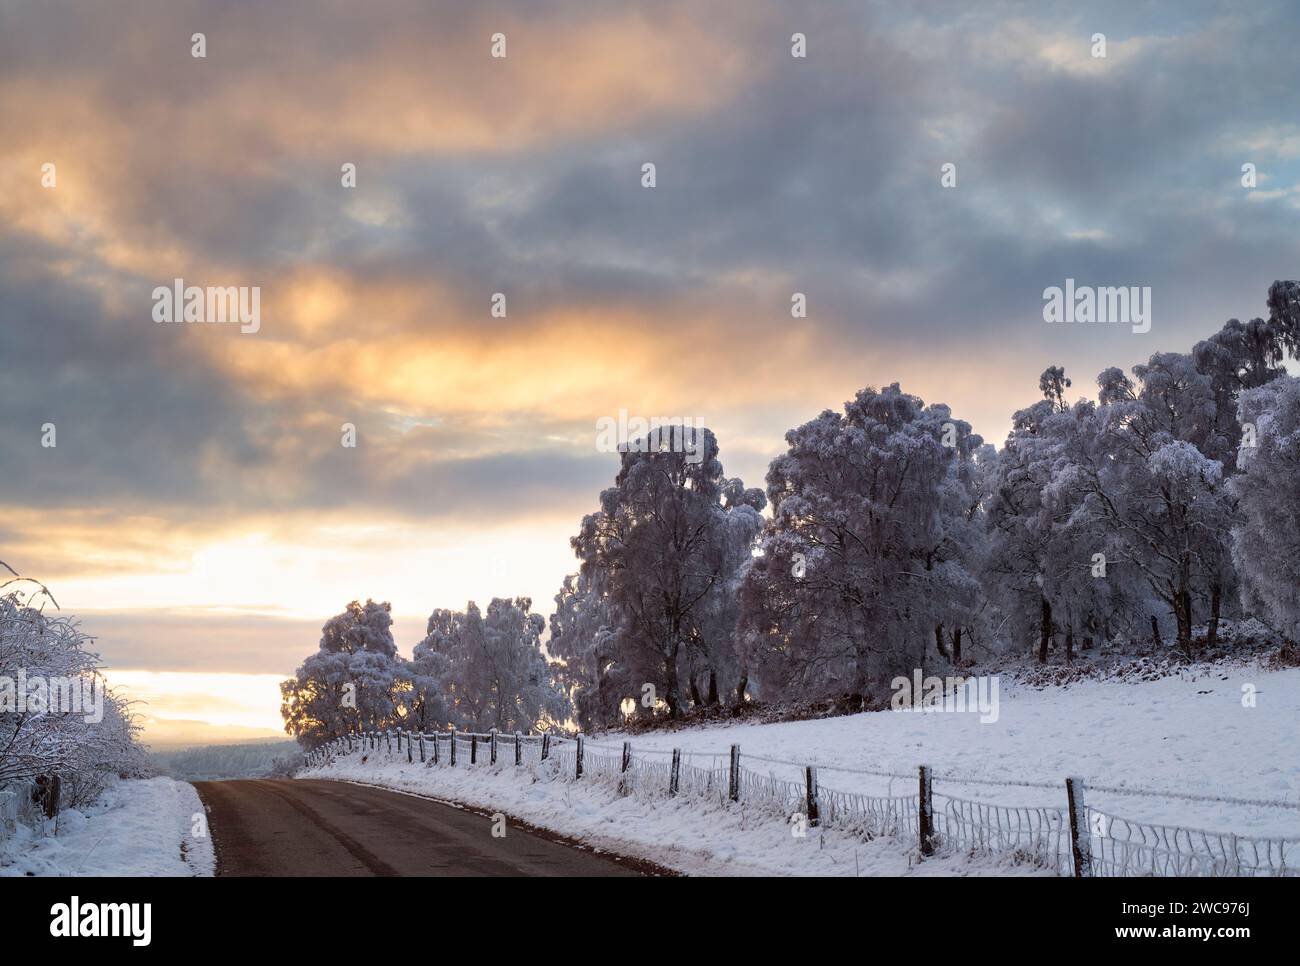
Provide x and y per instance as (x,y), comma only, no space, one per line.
(138,827)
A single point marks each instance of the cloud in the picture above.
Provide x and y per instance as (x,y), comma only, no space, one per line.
(522,176)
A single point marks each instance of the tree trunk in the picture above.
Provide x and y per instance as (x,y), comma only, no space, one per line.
(1069,644)
(956,646)
(695,692)
(672,687)
(938,641)
(1183,606)
(1216,601)
(741,686)
(713,687)
(1155,632)
(1045,630)
(1183,614)
(860,673)
(47,793)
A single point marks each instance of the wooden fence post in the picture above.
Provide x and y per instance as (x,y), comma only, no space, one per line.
(546,746)
(623,767)
(577,768)
(1080,834)
(388,738)
(733,775)
(925,819)
(421,745)
(435,747)
(453,747)
(410,757)
(493,741)
(675,776)
(473,747)
(810,779)
(519,750)
(399,742)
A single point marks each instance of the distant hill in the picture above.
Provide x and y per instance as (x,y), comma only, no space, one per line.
(175,734)
(211,762)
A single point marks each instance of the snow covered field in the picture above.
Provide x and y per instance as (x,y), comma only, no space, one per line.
(1188,735)
(138,827)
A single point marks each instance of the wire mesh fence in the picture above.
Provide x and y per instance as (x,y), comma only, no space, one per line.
(1085,842)
(18,805)
(1124,847)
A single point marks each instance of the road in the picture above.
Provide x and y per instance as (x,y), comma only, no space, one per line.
(269,827)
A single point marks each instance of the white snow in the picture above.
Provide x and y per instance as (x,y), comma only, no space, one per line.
(688,835)
(1189,734)
(138,827)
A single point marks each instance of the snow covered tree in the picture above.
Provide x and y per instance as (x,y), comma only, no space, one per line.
(60,725)
(354,681)
(583,639)
(1053,558)
(359,628)
(1143,482)
(427,705)
(866,558)
(712,659)
(1266,539)
(493,671)
(664,546)
(1239,356)
(1284,315)
(1027,566)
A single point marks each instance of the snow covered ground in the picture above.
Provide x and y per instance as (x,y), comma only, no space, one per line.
(688,835)
(140,827)
(1186,735)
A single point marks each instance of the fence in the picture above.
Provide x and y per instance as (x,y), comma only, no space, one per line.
(1073,839)
(15,806)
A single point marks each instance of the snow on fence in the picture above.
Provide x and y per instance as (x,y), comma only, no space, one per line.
(15,806)
(8,813)
(1073,839)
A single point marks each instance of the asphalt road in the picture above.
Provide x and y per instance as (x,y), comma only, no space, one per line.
(325,828)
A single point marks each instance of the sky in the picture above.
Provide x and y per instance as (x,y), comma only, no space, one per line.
(198,510)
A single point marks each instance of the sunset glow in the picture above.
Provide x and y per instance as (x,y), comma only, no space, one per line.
(199,513)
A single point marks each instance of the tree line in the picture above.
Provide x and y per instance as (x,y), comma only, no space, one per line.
(897,539)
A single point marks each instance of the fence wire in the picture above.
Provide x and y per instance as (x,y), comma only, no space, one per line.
(1035,835)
